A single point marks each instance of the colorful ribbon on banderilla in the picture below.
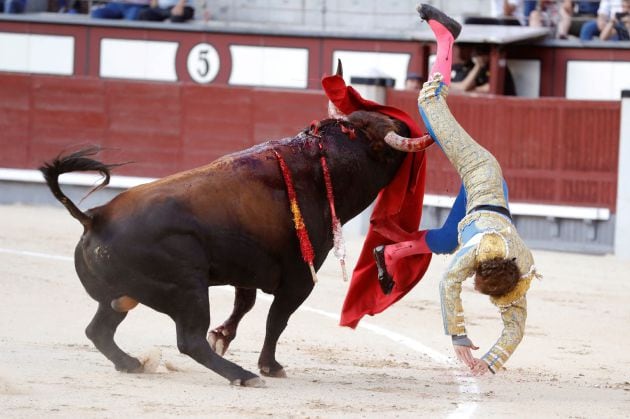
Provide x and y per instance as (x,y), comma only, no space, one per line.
(306,248)
(339,244)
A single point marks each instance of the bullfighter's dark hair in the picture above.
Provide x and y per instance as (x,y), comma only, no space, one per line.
(496,276)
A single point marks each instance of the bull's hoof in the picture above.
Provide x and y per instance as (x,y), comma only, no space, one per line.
(255,382)
(268,372)
(138,370)
(218,340)
(131,365)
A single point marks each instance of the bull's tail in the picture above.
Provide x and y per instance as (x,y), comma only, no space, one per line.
(75,162)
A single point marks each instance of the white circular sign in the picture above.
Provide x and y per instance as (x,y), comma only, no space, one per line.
(203,63)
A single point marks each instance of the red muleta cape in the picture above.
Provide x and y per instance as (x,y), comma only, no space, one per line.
(395,218)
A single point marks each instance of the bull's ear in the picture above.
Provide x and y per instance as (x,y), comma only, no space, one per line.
(339,68)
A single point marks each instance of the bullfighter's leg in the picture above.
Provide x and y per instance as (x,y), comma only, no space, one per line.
(296,288)
(220,337)
(191,313)
(438,240)
(101,332)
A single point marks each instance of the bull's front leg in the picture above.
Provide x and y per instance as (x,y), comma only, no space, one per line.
(190,310)
(286,300)
(220,337)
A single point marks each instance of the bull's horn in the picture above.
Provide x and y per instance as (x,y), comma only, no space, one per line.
(333,111)
(409,145)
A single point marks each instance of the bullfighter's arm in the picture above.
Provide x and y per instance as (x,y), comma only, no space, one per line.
(461,268)
(513,318)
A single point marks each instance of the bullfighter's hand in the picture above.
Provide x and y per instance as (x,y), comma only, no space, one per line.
(480,367)
(480,60)
(464,354)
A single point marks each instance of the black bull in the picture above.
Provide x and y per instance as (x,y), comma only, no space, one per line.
(163,243)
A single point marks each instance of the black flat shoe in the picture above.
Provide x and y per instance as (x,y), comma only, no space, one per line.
(384,278)
(428,12)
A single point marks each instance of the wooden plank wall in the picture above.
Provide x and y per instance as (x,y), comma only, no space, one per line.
(552,151)
(162,127)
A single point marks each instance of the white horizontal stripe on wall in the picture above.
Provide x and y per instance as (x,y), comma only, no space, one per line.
(269,66)
(39,54)
(138,60)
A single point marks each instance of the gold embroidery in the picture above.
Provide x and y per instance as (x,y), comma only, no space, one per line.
(491,246)
(513,296)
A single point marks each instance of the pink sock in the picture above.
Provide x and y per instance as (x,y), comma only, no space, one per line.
(444,59)
(397,251)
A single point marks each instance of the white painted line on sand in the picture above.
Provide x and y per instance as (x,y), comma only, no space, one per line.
(36,254)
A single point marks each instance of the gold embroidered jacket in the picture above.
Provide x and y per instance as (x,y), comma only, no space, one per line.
(497,238)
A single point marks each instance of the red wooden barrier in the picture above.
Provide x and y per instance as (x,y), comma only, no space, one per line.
(552,150)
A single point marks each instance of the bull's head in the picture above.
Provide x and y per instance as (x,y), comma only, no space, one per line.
(393,139)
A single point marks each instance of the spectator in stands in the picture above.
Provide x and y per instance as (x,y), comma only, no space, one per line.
(69,6)
(618,28)
(12,6)
(509,8)
(121,9)
(176,10)
(471,71)
(581,11)
(587,7)
(413,82)
(528,7)
(605,13)
(555,15)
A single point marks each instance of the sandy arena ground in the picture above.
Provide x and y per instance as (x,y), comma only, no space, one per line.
(573,363)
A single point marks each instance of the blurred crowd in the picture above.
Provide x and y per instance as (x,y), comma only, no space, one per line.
(586,20)
(605,20)
(149,10)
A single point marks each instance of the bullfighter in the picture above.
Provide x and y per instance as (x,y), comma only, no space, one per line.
(479,228)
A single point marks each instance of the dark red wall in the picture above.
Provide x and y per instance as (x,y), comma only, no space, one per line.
(552,150)
(162,127)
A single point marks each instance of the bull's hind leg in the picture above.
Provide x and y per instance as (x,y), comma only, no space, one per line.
(191,314)
(220,337)
(286,300)
(101,332)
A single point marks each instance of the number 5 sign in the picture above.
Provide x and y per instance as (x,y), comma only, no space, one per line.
(203,63)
